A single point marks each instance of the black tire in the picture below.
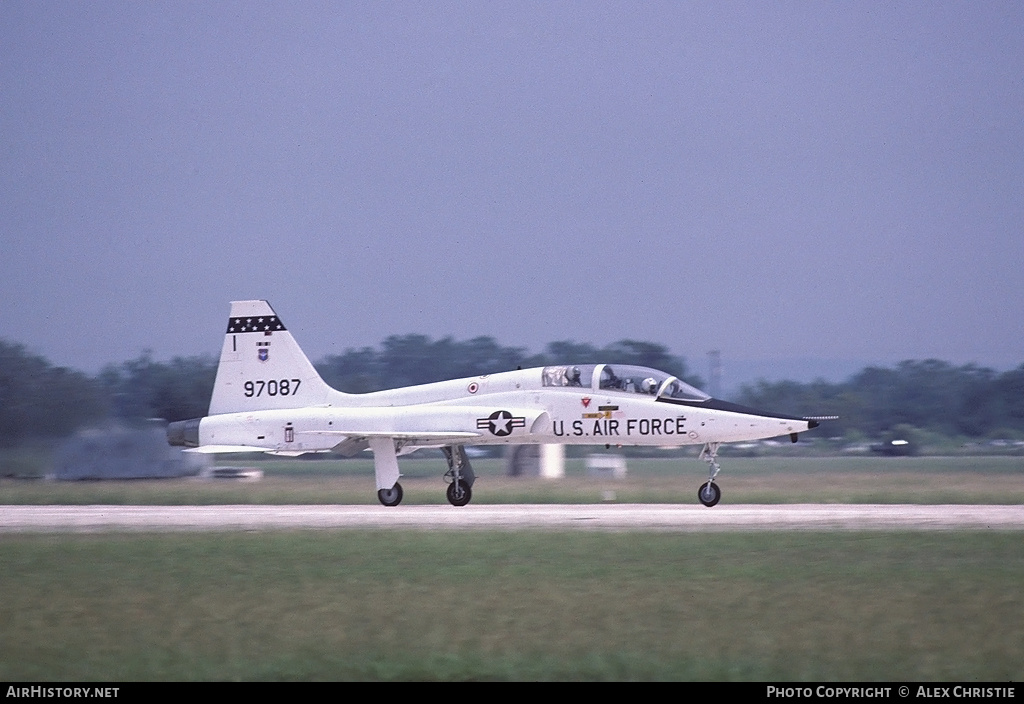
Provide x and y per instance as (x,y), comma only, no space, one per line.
(459,493)
(709,494)
(392,496)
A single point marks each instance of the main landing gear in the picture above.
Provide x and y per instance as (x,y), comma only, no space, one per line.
(459,493)
(460,476)
(392,496)
(709,494)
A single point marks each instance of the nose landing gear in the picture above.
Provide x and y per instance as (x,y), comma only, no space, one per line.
(709,494)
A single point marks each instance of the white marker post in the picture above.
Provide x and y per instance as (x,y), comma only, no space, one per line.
(552,461)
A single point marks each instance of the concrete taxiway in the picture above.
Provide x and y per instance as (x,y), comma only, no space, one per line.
(611,517)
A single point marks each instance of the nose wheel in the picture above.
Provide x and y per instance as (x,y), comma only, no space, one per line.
(709,494)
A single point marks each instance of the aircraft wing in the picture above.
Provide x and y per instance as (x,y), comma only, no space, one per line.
(430,426)
(364,434)
(353,442)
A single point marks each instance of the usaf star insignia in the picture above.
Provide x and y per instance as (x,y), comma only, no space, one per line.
(501,423)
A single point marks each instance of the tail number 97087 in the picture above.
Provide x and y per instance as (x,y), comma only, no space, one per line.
(274,387)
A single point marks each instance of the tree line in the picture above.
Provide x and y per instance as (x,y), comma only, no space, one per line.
(930,394)
(41,401)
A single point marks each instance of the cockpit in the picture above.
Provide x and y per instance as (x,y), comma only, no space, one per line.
(622,378)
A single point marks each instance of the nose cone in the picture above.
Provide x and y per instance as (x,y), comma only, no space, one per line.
(717,405)
(752,423)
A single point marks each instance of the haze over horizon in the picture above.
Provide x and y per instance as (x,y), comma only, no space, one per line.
(795,185)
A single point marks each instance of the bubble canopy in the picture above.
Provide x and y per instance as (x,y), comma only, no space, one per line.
(623,378)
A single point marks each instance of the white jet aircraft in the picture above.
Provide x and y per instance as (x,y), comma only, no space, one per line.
(267,397)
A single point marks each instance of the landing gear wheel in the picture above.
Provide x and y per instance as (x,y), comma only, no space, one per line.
(709,494)
(392,496)
(459,493)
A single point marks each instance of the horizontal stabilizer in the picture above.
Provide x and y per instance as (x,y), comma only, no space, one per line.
(218,449)
(294,453)
(224,449)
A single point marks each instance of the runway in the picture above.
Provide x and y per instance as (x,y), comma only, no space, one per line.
(607,517)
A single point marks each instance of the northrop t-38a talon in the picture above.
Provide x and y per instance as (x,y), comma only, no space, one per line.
(267,397)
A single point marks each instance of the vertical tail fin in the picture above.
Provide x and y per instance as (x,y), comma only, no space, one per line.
(262,367)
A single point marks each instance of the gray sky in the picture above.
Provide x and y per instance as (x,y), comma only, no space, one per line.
(814,181)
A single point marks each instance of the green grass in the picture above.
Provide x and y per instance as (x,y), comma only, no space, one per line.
(522,606)
(400,605)
(921,480)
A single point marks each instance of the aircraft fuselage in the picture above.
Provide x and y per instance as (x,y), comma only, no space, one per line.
(497,409)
